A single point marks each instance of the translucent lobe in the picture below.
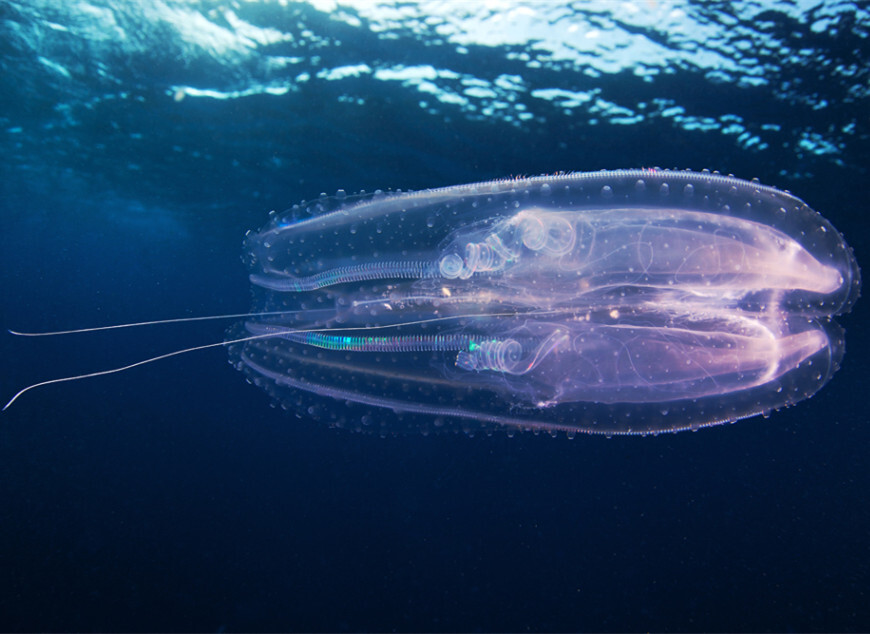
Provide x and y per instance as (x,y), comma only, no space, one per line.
(697,252)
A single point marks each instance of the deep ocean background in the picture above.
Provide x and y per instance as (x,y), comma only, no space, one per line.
(141,140)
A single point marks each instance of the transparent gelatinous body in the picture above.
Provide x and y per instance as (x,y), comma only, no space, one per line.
(635,301)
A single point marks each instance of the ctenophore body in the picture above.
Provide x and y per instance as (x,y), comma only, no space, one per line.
(613,302)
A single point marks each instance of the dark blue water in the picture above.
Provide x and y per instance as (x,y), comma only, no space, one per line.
(140,141)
